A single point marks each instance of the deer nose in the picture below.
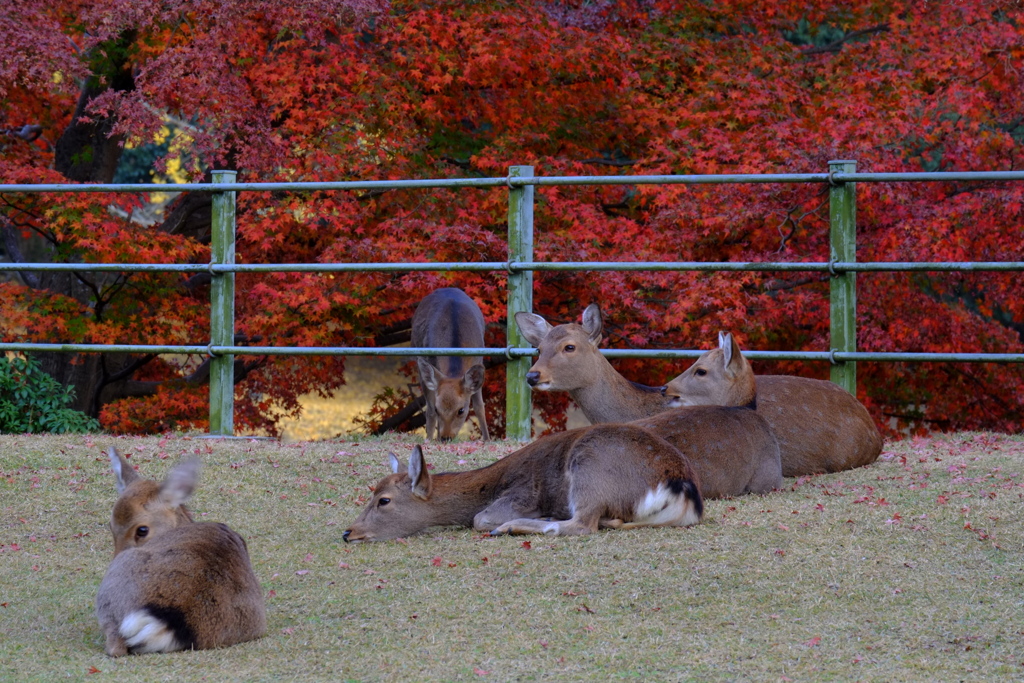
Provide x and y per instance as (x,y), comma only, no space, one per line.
(532,378)
(344,536)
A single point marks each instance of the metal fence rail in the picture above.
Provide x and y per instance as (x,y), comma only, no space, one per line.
(520,266)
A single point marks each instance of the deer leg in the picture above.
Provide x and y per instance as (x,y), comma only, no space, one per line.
(568,527)
(116,645)
(429,413)
(481,416)
(501,511)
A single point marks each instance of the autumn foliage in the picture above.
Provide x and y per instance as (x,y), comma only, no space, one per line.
(357,90)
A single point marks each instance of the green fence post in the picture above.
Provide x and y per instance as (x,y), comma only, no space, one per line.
(518,403)
(222,309)
(843,290)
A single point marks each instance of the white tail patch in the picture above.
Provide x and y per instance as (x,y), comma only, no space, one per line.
(144,633)
(662,507)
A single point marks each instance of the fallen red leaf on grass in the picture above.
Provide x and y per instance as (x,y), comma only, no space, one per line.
(436,561)
(813,642)
(526,544)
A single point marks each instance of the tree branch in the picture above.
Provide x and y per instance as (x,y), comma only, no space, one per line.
(780,285)
(598,161)
(10,239)
(29,132)
(837,45)
(461,163)
(201,375)
(191,216)
(410,415)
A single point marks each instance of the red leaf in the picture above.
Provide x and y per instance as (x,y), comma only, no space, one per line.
(436,561)
(526,544)
(813,642)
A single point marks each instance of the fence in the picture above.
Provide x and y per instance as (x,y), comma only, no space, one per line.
(842,266)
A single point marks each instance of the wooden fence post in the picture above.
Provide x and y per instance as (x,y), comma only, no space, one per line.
(518,403)
(222,309)
(843,286)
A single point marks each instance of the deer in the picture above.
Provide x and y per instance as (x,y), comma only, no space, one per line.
(653,472)
(569,360)
(819,426)
(174,584)
(572,483)
(448,318)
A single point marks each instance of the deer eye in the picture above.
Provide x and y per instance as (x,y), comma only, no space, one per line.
(142,532)
(461,411)
(701,372)
(569,348)
(382,502)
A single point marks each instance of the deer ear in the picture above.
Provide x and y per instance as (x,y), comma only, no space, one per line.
(397,466)
(725,343)
(533,327)
(180,482)
(735,363)
(593,324)
(427,376)
(418,474)
(124,472)
(473,379)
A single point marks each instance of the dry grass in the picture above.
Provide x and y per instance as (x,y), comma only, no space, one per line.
(910,569)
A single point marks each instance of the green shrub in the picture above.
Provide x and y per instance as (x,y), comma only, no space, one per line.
(33,402)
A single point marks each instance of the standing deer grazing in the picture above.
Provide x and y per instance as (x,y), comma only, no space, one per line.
(571,483)
(173,584)
(447,318)
(819,426)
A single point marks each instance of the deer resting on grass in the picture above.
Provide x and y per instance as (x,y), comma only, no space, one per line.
(173,584)
(820,427)
(571,483)
(448,318)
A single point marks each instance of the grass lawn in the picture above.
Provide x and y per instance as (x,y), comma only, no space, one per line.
(911,569)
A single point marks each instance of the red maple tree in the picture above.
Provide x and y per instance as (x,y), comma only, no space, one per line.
(350,90)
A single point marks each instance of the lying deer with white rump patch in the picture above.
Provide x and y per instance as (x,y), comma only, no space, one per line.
(820,427)
(571,483)
(173,584)
(448,318)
